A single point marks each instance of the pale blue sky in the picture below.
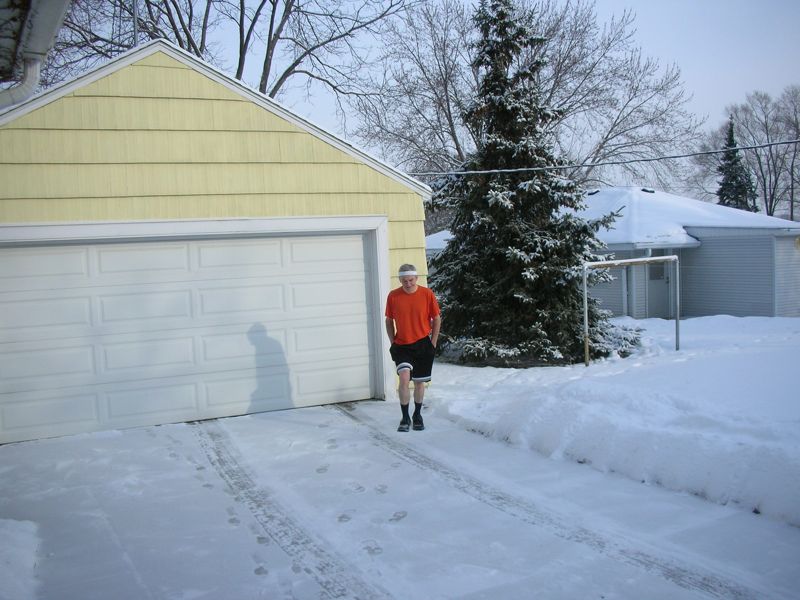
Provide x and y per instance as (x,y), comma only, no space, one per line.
(724,48)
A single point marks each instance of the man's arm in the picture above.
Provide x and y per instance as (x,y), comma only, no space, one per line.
(436,324)
(390,329)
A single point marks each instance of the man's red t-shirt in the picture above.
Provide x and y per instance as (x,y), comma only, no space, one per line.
(412,313)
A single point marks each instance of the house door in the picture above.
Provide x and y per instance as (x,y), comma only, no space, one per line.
(658,286)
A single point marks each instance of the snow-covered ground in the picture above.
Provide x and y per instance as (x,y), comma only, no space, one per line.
(662,475)
(719,419)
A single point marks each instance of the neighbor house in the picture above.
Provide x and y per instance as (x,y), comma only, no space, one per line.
(176,246)
(731,261)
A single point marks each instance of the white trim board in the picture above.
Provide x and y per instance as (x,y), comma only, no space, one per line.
(114,231)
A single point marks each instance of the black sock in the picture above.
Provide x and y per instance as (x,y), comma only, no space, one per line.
(417,408)
(404,408)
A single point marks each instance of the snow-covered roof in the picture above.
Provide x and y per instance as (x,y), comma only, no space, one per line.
(437,241)
(654,219)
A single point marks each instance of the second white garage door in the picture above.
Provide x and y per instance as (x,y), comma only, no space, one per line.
(103,336)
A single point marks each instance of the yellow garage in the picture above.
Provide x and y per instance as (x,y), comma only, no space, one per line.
(175,246)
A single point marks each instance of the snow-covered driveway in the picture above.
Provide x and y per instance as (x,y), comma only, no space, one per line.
(331,502)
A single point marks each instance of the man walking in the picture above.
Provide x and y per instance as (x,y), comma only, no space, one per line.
(412,324)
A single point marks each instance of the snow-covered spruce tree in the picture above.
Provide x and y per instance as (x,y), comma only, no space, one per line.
(509,280)
(736,188)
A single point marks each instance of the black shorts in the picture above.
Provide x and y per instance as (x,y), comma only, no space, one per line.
(417,357)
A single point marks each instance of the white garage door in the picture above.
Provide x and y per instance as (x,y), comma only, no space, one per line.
(114,335)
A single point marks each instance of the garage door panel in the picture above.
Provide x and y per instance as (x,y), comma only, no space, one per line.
(265,389)
(217,255)
(144,306)
(21,365)
(31,414)
(166,401)
(313,251)
(144,259)
(255,342)
(325,270)
(331,337)
(22,267)
(241,299)
(46,312)
(121,335)
(331,383)
(148,353)
(322,295)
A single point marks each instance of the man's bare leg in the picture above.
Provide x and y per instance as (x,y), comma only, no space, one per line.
(404,393)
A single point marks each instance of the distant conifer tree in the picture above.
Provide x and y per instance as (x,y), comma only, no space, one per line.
(736,188)
(509,280)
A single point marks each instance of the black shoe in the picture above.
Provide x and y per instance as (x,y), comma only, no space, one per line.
(418,424)
(404,424)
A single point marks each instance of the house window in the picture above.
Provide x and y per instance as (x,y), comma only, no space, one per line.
(656,271)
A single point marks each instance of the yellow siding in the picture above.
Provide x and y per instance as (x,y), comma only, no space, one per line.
(101,180)
(160,60)
(160,140)
(45,146)
(398,208)
(143,114)
(414,256)
(406,235)
(158,82)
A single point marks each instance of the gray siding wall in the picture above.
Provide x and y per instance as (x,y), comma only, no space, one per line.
(787,277)
(610,293)
(637,291)
(731,275)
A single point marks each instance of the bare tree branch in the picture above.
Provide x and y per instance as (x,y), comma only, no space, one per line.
(759,120)
(611,102)
(326,41)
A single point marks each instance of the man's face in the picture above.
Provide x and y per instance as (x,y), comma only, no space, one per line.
(409,282)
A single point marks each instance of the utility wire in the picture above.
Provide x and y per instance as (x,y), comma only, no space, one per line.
(604,164)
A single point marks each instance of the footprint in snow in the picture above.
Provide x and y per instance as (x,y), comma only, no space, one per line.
(372,547)
(356,488)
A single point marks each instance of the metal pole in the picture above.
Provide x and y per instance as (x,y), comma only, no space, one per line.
(624,263)
(585,319)
(677,304)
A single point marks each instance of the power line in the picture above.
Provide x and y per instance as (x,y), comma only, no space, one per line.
(604,164)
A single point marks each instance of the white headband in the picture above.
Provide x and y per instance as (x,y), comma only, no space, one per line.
(404,273)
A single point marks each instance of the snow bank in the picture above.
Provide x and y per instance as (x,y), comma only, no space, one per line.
(718,419)
(18,559)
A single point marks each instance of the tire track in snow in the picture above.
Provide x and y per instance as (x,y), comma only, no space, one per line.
(683,575)
(335,576)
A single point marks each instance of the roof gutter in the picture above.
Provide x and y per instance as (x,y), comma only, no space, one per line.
(25,88)
(38,36)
